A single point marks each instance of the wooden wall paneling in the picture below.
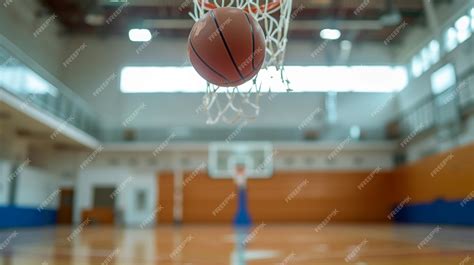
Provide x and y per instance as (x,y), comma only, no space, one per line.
(165,196)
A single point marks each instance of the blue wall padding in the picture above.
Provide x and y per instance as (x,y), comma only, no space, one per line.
(438,212)
(12,216)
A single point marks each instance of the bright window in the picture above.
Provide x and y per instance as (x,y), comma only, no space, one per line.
(434,51)
(425,58)
(21,79)
(472,19)
(450,39)
(302,78)
(462,26)
(416,66)
(160,79)
(443,78)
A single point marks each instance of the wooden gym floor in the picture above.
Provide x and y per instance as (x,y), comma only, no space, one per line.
(215,245)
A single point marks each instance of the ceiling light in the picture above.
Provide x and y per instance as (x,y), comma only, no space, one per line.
(330,34)
(139,35)
(94,19)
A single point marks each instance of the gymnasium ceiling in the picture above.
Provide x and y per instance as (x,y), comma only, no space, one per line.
(375,22)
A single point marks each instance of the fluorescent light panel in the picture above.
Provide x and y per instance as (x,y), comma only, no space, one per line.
(139,35)
(303,79)
(472,19)
(463,29)
(330,34)
(443,78)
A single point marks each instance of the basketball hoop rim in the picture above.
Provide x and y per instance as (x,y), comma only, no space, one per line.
(240,171)
(265,7)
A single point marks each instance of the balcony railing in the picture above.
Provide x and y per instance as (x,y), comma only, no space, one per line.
(443,111)
(32,84)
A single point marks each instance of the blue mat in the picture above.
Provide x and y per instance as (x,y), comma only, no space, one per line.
(438,212)
(12,216)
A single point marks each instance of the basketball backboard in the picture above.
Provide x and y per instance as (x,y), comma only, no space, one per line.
(256,157)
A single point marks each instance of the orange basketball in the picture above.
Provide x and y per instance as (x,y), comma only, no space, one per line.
(227,46)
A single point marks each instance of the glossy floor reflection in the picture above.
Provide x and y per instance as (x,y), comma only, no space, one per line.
(261,244)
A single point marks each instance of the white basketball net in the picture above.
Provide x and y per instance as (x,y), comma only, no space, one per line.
(233,104)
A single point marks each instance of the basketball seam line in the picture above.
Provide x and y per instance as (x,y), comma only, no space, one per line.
(253,41)
(212,69)
(208,66)
(225,44)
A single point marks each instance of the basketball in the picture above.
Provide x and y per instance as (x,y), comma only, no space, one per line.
(227,47)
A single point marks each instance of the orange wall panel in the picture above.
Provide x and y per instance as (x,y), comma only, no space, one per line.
(317,194)
(452,179)
(165,196)
(290,196)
